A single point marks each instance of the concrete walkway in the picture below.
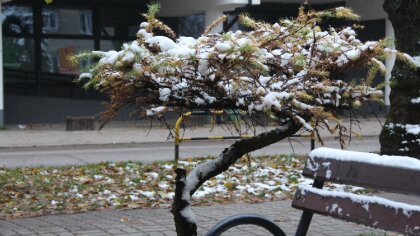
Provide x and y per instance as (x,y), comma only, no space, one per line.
(156,222)
(52,146)
(55,135)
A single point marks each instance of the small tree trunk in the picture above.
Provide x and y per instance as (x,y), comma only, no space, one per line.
(395,140)
(186,185)
(182,224)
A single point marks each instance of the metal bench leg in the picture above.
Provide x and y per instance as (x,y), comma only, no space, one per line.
(304,222)
(305,219)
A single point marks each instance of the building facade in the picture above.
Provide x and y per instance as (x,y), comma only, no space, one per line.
(38,38)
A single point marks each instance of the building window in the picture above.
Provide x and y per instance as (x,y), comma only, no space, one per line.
(120,22)
(36,60)
(56,53)
(67,21)
(192,26)
(17,20)
(18,53)
(49,22)
(85,22)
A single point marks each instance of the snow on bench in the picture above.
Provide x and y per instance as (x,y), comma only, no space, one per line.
(371,158)
(391,173)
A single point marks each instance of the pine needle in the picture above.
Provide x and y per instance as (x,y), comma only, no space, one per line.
(153,9)
(215,23)
(346,13)
(247,21)
(155,23)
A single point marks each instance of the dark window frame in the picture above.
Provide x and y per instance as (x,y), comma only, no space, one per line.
(38,35)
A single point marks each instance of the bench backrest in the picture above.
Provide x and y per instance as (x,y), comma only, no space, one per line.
(365,170)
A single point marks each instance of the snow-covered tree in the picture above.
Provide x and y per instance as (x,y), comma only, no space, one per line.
(282,70)
(401,133)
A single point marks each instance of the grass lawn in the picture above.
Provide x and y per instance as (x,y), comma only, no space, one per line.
(38,191)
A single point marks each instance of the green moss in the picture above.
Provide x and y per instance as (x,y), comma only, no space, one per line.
(226,36)
(247,49)
(299,60)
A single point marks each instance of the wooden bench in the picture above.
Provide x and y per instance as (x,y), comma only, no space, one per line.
(392,174)
(389,173)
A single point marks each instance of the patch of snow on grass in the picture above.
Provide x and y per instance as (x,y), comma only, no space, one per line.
(147,194)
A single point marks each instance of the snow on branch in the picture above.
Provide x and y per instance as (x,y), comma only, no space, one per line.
(286,66)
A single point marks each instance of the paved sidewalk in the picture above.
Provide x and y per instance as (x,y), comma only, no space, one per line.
(159,222)
(38,136)
(52,146)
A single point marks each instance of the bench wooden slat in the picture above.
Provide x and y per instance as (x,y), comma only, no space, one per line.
(393,179)
(373,214)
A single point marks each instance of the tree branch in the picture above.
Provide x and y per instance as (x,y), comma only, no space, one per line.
(186,185)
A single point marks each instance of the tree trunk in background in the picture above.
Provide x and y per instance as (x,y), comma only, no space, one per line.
(398,136)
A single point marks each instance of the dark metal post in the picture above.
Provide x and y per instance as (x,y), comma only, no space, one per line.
(176,152)
(305,219)
(312,142)
(313,137)
(37,16)
(96,24)
(25,87)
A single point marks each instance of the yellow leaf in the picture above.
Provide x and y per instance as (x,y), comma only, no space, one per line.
(124,219)
(230,185)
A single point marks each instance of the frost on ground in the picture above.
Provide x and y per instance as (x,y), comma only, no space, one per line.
(39,191)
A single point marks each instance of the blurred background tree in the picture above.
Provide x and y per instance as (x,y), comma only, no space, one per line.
(401,133)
